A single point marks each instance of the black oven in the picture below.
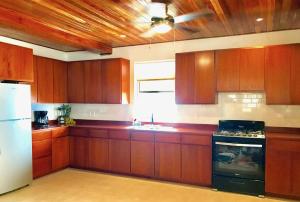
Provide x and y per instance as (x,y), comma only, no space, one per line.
(239,163)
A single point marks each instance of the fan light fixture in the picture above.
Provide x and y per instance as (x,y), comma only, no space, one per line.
(162,27)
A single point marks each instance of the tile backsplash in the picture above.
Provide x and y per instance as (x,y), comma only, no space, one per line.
(241,106)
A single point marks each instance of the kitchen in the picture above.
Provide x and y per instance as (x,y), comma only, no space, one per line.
(213,114)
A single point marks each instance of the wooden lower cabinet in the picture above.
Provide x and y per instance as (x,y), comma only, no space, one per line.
(60,153)
(42,166)
(282,167)
(142,158)
(119,155)
(78,152)
(168,161)
(98,153)
(196,164)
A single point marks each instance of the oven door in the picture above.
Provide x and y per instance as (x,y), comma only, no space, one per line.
(239,157)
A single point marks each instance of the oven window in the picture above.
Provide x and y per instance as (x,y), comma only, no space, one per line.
(240,160)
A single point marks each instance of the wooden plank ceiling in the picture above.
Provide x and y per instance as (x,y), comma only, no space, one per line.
(98,25)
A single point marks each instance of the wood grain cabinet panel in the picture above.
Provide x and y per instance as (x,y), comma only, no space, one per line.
(227,67)
(60,81)
(116,81)
(142,158)
(44,79)
(252,67)
(278,74)
(196,164)
(16,63)
(33,84)
(76,82)
(41,166)
(60,153)
(98,153)
(79,152)
(295,75)
(119,156)
(184,82)
(205,78)
(93,79)
(168,161)
(282,166)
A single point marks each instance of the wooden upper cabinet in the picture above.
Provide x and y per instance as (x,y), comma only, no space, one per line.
(44,79)
(295,75)
(60,81)
(76,80)
(278,74)
(195,78)
(184,78)
(116,81)
(93,79)
(205,78)
(227,66)
(16,63)
(252,67)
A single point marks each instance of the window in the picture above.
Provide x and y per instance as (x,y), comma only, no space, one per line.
(154,90)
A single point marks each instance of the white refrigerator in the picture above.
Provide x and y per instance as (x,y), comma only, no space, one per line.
(15,137)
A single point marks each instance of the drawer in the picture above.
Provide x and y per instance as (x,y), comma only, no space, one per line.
(142,136)
(98,133)
(167,137)
(78,132)
(119,134)
(283,145)
(41,148)
(196,139)
(38,135)
(60,132)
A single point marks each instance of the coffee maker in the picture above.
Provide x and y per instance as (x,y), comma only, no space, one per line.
(40,119)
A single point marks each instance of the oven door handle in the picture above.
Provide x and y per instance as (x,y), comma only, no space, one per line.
(239,145)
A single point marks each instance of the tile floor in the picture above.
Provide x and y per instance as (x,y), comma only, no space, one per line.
(71,185)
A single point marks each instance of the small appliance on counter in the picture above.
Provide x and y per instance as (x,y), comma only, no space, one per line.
(40,119)
(239,157)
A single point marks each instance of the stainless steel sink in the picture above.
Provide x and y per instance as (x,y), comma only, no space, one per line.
(152,127)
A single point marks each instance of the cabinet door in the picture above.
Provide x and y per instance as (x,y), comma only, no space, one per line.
(252,68)
(76,82)
(60,153)
(184,79)
(296,174)
(34,83)
(119,156)
(278,71)
(78,152)
(60,82)
(41,166)
(41,148)
(142,158)
(93,87)
(278,175)
(16,63)
(98,153)
(227,66)
(112,81)
(168,161)
(295,75)
(196,164)
(205,78)
(45,79)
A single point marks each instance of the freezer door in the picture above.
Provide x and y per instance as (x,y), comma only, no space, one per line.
(15,101)
(15,155)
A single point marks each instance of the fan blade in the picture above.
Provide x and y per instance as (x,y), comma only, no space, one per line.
(148,34)
(187,29)
(193,16)
(162,1)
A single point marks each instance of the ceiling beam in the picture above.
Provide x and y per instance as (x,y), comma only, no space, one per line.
(26,24)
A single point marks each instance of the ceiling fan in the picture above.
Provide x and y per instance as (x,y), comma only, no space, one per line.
(162,22)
